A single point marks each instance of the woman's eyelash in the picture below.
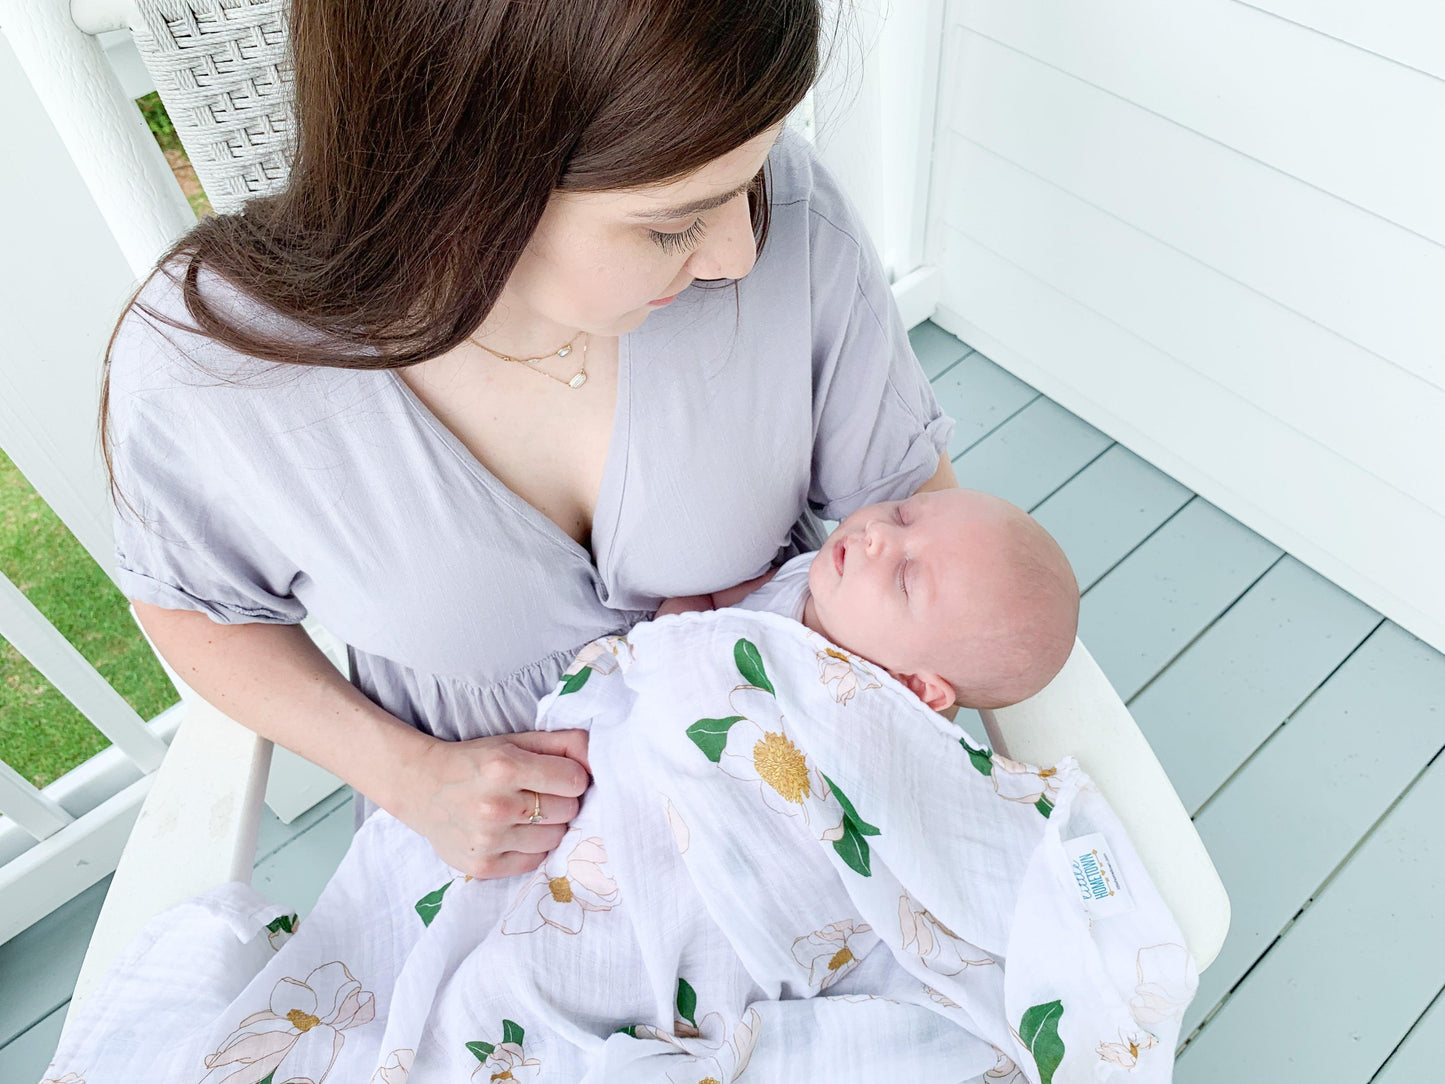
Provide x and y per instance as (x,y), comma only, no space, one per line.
(682,241)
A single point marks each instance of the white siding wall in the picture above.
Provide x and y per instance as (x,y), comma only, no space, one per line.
(1216,230)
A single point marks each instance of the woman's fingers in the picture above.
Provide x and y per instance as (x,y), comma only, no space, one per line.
(553,808)
(534,839)
(547,772)
(557,743)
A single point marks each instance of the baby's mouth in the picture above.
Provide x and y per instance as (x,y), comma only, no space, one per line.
(838,553)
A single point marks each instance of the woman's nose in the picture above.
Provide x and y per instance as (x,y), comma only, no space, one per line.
(728,250)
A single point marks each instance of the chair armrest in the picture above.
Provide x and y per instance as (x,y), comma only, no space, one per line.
(197,829)
(1080,714)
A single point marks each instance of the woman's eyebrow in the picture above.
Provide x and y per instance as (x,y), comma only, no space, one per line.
(693,208)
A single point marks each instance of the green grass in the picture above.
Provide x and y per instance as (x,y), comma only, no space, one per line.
(41,735)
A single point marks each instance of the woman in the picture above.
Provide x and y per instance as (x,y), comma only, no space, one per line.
(464,393)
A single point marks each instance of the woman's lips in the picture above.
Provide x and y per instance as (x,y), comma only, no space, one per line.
(663,301)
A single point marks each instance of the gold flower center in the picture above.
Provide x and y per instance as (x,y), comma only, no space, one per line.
(836,654)
(709,1080)
(561,889)
(843,956)
(782,767)
(505,1074)
(302,1021)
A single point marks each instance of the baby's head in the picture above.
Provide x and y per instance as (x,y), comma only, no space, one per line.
(958,594)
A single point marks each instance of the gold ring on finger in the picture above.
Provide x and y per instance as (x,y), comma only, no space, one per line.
(536,817)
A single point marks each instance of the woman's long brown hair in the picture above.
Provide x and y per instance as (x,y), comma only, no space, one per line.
(430,134)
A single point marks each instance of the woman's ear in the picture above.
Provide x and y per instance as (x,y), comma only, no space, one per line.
(929,687)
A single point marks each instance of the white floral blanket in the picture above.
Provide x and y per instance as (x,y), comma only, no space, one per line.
(786,868)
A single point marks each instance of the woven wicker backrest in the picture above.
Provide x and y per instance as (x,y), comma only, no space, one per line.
(221,69)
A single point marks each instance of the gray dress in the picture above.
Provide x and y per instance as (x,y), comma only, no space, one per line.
(259,492)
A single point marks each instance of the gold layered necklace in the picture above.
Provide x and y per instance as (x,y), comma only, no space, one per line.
(576,380)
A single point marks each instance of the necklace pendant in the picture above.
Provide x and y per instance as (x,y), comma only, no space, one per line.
(565,351)
(577,381)
(534,362)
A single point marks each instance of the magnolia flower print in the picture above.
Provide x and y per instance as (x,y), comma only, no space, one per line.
(1022,782)
(508,1061)
(68,1078)
(845,674)
(600,656)
(940,949)
(1004,1070)
(300,1035)
(1167,979)
(833,951)
(395,1069)
(1126,1051)
(568,885)
(940,997)
(680,831)
(758,749)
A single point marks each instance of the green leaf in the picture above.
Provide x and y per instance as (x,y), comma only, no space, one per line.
(982,758)
(572,682)
(512,1032)
(431,903)
(630,1030)
(482,1051)
(1039,1029)
(686,1002)
(853,849)
(1043,805)
(711,735)
(283,924)
(849,813)
(750,665)
(269,1077)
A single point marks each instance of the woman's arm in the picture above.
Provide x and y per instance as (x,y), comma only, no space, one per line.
(943,478)
(469,799)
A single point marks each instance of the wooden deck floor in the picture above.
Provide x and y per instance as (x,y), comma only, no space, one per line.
(1302,731)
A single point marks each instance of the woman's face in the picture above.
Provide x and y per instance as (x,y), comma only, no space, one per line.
(602,261)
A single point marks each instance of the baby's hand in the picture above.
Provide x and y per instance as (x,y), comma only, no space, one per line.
(685,604)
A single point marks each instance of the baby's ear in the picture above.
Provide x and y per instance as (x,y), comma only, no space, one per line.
(929,687)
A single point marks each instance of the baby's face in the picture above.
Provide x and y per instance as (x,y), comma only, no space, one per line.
(888,583)
(948,584)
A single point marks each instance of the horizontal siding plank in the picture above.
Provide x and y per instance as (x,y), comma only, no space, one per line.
(936,349)
(1418,1058)
(1304,497)
(979,396)
(1343,986)
(1107,509)
(1251,669)
(1365,409)
(1292,99)
(1370,281)
(1408,32)
(1030,455)
(1294,812)
(1166,592)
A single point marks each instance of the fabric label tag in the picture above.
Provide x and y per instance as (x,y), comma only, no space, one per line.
(1097,876)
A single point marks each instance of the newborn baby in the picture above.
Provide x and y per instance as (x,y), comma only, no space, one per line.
(959,595)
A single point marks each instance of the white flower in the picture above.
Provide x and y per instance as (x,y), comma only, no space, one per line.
(843,671)
(759,750)
(1022,782)
(1004,1070)
(1167,979)
(300,1035)
(829,953)
(68,1078)
(507,1062)
(395,1069)
(1126,1051)
(939,948)
(942,998)
(564,889)
(745,1038)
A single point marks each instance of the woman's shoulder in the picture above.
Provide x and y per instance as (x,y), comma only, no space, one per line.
(800,184)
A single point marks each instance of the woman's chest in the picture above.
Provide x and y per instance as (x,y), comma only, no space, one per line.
(542,438)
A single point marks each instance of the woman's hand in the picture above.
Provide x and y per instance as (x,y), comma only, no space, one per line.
(472,799)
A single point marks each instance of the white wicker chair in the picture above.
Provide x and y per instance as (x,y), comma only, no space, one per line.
(220,68)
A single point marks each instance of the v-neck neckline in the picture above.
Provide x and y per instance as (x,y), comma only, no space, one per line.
(609,492)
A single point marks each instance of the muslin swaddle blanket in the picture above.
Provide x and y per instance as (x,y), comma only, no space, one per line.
(786,868)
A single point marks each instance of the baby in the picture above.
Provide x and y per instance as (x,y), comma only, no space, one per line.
(959,595)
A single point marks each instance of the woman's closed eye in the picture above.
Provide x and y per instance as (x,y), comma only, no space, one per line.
(682,240)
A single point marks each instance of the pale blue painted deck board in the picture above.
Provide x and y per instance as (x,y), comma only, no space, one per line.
(1217,704)
(1334,997)
(1030,455)
(979,397)
(1420,1056)
(24,1060)
(1299,806)
(1106,510)
(38,966)
(1149,608)
(936,349)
